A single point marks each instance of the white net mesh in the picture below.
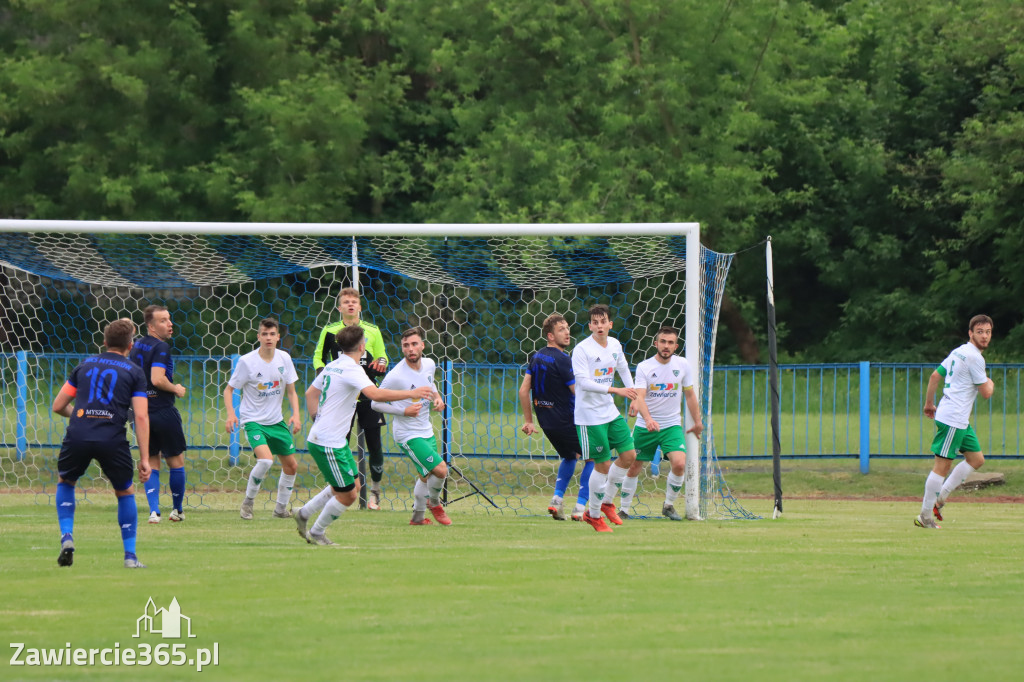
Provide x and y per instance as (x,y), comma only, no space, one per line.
(480,300)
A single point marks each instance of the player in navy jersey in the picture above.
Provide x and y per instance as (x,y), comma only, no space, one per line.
(166,435)
(96,399)
(550,378)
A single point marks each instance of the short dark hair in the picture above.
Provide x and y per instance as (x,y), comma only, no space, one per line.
(666,329)
(600,310)
(413,331)
(151,310)
(118,334)
(980,319)
(270,323)
(349,338)
(552,321)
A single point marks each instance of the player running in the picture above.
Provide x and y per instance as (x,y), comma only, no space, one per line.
(96,399)
(412,429)
(661,382)
(600,426)
(265,376)
(166,434)
(965,379)
(549,377)
(331,402)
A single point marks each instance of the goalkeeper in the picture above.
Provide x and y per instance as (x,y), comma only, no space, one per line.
(375,363)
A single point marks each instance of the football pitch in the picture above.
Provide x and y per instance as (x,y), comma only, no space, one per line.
(837,590)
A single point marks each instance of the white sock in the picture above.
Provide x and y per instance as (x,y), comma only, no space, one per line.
(629,485)
(434,485)
(673,487)
(556,501)
(932,487)
(597,485)
(612,489)
(419,496)
(959,474)
(256,476)
(284,489)
(317,503)
(332,510)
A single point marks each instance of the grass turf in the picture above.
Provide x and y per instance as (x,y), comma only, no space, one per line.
(838,590)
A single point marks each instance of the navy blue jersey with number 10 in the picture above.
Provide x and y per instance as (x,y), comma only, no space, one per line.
(103,387)
(551,376)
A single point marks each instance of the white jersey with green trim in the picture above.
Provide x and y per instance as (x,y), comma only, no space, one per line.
(402,377)
(262,384)
(664,383)
(964,370)
(340,384)
(594,367)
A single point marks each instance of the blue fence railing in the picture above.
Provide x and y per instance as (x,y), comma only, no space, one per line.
(859,410)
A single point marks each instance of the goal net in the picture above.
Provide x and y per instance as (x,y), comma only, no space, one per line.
(480,292)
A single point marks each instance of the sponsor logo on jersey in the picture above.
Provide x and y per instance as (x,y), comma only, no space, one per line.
(664,387)
(268,385)
(603,371)
(99,414)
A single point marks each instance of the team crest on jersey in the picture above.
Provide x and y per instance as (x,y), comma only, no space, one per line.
(600,448)
(281,370)
(615,356)
(675,372)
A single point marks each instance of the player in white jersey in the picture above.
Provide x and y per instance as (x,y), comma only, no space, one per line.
(965,379)
(331,402)
(265,376)
(601,427)
(661,383)
(412,429)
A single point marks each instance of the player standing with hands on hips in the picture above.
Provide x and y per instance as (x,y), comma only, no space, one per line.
(965,379)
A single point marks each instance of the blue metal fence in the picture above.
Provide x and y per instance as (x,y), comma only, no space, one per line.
(846,410)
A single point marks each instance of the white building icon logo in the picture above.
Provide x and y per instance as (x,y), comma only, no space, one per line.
(164,622)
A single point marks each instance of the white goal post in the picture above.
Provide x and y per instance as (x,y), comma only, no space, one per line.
(693,349)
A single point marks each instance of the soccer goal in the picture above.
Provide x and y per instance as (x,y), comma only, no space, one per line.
(479,291)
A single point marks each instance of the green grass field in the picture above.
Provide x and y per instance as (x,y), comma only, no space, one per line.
(836,590)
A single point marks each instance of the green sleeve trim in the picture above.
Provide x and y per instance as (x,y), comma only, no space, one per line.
(941,370)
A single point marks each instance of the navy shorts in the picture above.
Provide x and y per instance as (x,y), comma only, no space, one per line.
(166,434)
(115,459)
(566,442)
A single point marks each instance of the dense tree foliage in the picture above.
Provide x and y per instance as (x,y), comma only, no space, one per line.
(880,143)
